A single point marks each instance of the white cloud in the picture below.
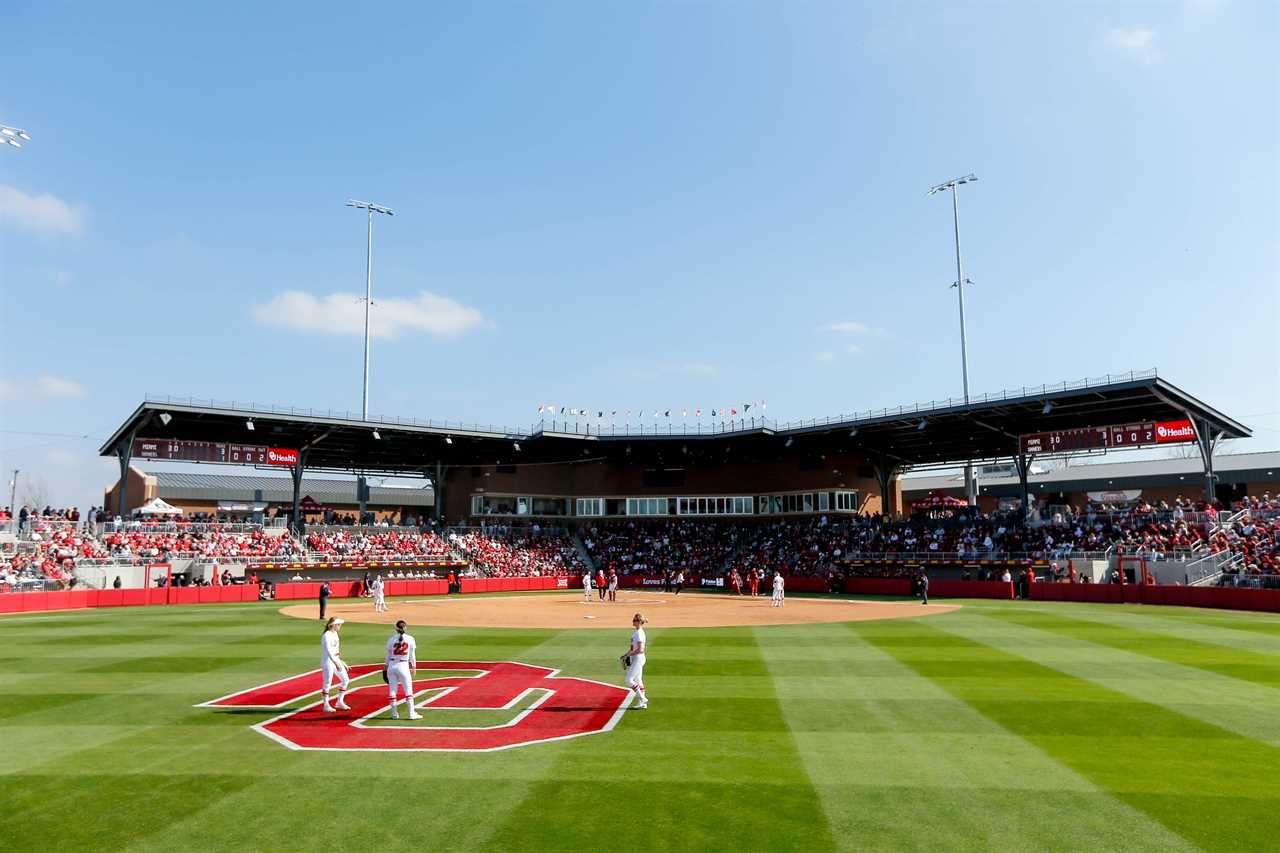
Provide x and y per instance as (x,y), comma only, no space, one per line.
(825,355)
(847,327)
(697,368)
(44,212)
(343,314)
(853,349)
(42,388)
(1138,43)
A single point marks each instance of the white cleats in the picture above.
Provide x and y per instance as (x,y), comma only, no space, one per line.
(328,709)
(642,706)
(414,715)
(342,706)
(395,715)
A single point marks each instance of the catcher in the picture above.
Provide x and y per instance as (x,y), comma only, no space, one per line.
(633,661)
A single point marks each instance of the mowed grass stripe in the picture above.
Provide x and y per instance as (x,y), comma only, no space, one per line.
(1246,708)
(710,766)
(1166,646)
(1209,785)
(314,799)
(900,764)
(1171,621)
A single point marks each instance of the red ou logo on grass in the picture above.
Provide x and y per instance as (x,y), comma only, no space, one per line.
(567,708)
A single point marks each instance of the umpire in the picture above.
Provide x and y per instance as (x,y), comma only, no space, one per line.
(324,597)
(924,587)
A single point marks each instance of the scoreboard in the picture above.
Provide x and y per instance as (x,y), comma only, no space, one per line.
(1108,437)
(171,450)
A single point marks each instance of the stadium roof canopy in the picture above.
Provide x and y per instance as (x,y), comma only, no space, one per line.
(919,435)
(191,485)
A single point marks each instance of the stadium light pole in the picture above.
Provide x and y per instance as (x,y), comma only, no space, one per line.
(970,485)
(368,290)
(371,209)
(13,497)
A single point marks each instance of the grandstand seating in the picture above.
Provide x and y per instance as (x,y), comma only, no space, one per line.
(373,544)
(640,547)
(53,545)
(505,553)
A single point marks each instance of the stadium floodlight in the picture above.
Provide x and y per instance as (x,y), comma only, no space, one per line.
(376,436)
(853,432)
(165,417)
(249,425)
(970,484)
(516,445)
(448,439)
(924,422)
(1048,407)
(13,136)
(790,441)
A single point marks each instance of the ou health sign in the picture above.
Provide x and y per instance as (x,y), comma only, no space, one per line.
(1168,432)
(281,456)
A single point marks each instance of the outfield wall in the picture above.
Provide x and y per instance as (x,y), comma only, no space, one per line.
(1226,598)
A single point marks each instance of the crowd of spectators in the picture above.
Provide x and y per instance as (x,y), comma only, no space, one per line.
(197,542)
(505,553)
(653,547)
(1254,535)
(365,544)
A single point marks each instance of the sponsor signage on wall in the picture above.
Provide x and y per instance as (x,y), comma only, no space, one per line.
(281,456)
(1168,432)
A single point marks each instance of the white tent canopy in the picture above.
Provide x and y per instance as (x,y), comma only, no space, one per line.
(157,507)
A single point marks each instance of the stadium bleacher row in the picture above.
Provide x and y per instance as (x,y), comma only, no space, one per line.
(52,546)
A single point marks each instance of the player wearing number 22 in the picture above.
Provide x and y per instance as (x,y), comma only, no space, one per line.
(402,662)
(636,654)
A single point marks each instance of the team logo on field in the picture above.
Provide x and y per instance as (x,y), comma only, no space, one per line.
(561,708)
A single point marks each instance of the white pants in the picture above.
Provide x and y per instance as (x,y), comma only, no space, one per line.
(777,598)
(398,675)
(328,670)
(635,672)
(379,600)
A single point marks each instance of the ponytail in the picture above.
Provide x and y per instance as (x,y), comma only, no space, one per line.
(329,623)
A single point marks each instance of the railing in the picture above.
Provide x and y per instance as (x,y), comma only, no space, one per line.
(1205,570)
(140,526)
(722,427)
(1252,581)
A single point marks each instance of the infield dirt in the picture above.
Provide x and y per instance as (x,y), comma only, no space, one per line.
(664,610)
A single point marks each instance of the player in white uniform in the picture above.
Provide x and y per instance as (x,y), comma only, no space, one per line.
(779,591)
(586,587)
(635,672)
(379,599)
(332,665)
(402,662)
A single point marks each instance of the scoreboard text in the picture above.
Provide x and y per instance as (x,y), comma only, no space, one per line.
(1108,437)
(171,450)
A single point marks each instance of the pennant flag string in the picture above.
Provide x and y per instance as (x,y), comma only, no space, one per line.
(743,409)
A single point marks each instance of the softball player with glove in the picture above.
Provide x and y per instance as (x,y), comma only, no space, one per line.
(633,661)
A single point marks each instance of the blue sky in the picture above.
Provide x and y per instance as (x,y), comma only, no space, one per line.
(626,205)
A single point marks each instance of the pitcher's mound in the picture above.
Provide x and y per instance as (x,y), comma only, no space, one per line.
(664,610)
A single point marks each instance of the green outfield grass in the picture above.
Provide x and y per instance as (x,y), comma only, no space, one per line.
(1005,725)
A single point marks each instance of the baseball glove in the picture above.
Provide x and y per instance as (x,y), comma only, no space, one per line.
(385,680)
(626,661)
